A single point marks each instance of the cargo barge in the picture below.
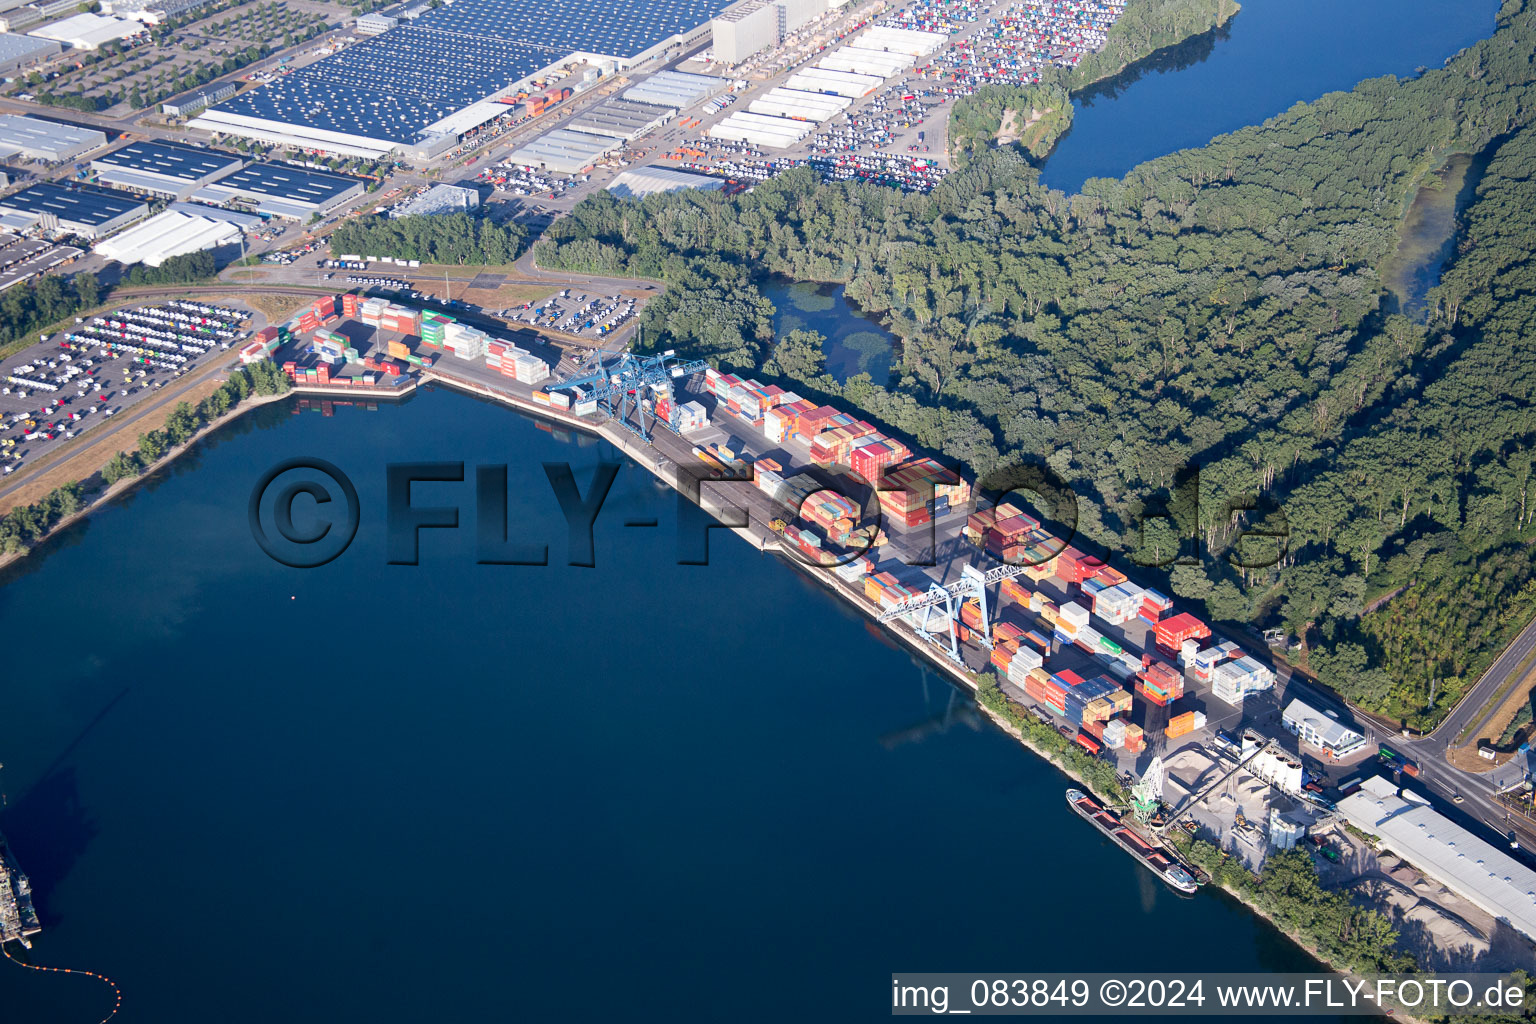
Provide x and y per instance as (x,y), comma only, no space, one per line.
(1153,858)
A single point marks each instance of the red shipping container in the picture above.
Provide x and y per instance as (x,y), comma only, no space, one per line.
(1183,626)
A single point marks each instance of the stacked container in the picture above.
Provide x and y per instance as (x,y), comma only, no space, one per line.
(1184,724)
(1154,606)
(1160,682)
(1172,632)
(369,311)
(433,325)
(325,308)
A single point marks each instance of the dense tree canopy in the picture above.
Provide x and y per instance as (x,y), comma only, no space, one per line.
(456,238)
(1220,307)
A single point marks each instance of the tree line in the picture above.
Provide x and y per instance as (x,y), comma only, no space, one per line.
(1220,308)
(452,238)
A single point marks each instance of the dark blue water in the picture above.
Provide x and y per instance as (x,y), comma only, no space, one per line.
(854,343)
(455,792)
(1271,55)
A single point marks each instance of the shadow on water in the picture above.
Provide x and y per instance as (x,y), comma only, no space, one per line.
(1431,232)
(1179,57)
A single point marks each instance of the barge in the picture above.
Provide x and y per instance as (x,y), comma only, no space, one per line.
(1154,858)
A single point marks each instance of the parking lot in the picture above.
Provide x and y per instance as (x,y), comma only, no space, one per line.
(580,314)
(60,388)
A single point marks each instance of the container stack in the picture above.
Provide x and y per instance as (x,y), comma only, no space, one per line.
(1117,605)
(690,417)
(325,308)
(916,492)
(309,320)
(1074,567)
(369,311)
(1172,632)
(1154,606)
(1233,680)
(553,399)
(1184,724)
(1135,738)
(433,324)
(349,304)
(399,319)
(1159,682)
(1071,619)
(870,457)
(783,420)
(834,447)
(465,342)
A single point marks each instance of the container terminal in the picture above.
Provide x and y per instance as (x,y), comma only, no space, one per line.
(18,918)
(973,583)
(1113,665)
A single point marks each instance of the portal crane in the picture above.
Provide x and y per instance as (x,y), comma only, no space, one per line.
(972,583)
(626,382)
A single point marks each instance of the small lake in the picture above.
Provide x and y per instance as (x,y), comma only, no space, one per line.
(855,343)
(1428,238)
(1271,55)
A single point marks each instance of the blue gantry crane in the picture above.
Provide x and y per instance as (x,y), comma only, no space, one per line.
(623,383)
(973,583)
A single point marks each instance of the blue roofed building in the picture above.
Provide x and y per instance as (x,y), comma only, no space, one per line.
(414,90)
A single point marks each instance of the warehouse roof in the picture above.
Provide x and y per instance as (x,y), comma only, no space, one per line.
(15,47)
(286,182)
(644,181)
(1328,732)
(89,31)
(20,134)
(175,232)
(80,205)
(619,118)
(564,149)
(1467,865)
(394,86)
(674,89)
(169,159)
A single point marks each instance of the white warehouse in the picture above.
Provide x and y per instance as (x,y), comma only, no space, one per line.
(838,83)
(762,130)
(802,106)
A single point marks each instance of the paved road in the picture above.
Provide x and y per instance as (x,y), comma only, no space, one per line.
(1477,706)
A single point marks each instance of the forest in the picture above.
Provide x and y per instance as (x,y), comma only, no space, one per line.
(1209,334)
(453,238)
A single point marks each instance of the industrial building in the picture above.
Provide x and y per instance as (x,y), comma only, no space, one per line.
(676,89)
(644,181)
(881,63)
(86,31)
(375,24)
(182,228)
(565,151)
(1321,730)
(282,190)
(762,129)
(756,25)
(439,199)
(838,83)
(151,12)
(33,138)
(416,88)
(163,168)
(56,210)
(1404,824)
(802,106)
(620,119)
(19,53)
(910,41)
(189,103)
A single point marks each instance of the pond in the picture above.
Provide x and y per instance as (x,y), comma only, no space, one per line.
(855,343)
(1428,239)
